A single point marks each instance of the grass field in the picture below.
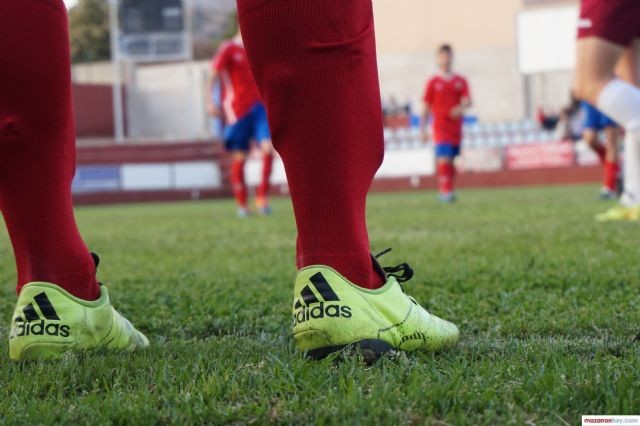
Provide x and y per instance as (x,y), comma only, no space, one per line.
(548,303)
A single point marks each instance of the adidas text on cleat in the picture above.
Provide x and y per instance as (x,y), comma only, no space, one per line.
(48,321)
(330,313)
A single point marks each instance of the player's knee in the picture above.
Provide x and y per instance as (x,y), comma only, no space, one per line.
(589,85)
(239,155)
(267,147)
(587,88)
(592,140)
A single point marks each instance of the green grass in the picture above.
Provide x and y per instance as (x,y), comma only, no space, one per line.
(547,300)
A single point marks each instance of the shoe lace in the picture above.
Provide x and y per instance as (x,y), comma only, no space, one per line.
(402,272)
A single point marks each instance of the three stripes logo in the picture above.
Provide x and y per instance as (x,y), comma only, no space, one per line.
(32,323)
(321,303)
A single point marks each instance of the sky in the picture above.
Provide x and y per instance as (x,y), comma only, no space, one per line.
(70,3)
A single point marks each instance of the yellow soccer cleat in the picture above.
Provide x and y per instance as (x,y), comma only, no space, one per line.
(48,321)
(330,314)
(619,213)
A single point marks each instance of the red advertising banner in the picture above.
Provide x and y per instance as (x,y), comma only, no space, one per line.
(540,156)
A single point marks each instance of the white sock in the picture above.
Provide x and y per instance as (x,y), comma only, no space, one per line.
(631,195)
(621,101)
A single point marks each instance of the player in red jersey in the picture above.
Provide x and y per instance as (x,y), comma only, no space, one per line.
(446,98)
(609,45)
(245,118)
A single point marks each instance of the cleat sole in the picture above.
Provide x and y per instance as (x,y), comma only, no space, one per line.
(370,349)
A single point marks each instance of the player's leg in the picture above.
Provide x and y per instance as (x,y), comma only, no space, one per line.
(595,68)
(238,181)
(612,25)
(236,140)
(315,65)
(263,136)
(592,126)
(262,191)
(611,164)
(60,304)
(616,98)
(445,173)
(629,70)
(326,124)
(590,137)
(37,152)
(593,123)
(607,28)
(628,67)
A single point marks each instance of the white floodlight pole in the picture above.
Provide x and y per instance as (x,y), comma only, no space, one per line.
(118,113)
(188,28)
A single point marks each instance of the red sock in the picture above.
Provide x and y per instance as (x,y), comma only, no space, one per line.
(601,152)
(446,172)
(315,65)
(611,171)
(267,166)
(238,183)
(37,147)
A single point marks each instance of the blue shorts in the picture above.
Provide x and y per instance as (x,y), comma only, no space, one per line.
(447,150)
(253,125)
(594,119)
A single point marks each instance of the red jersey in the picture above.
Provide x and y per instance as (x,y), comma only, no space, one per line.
(442,94)
(239,90)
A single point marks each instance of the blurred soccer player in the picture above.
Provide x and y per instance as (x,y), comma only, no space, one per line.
(594,123)
(245,118)
(315,65)
(609,37)
(60,305)
(446,98)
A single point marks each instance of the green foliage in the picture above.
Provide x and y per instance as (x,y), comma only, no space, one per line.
(547,301)
(230,28)
(89,31)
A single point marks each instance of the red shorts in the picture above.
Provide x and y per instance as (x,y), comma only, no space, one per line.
(617,21)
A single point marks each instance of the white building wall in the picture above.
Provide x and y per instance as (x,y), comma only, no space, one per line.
(167,102)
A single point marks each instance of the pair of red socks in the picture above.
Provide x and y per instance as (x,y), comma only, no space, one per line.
(239,185)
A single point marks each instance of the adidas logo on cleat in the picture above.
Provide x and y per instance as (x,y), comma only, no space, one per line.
(323,309)
(415,336)
(31,324)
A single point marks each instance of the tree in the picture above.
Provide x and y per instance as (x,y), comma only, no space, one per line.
(89,31)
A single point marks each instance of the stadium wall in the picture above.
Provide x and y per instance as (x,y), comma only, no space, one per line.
(93,110)
(167,101)
(497,87)
(199,170)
